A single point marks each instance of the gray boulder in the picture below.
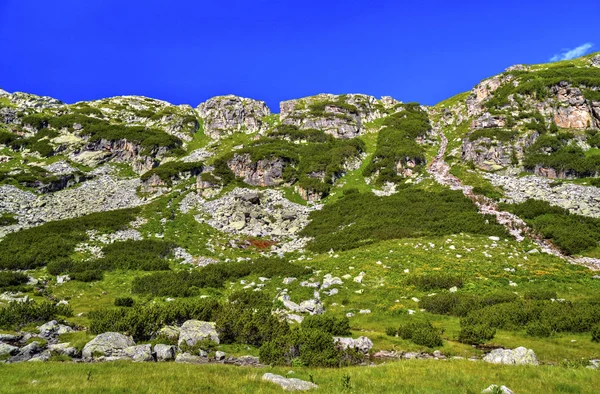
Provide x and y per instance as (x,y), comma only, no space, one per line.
(139,353)
(169,332)
(187,358)
(219,355)
(63,349)
(52,329)
(518,356)
(164,352)
(107,344)
(498,389)
(289,384)
(314,307)
(10,337)
(329,281)
(362,344)
(193,331)
(27,353)
(8,350)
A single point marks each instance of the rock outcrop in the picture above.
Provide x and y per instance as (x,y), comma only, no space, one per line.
(518,356)
(342,116)
(265,172)
(109,344)
(193,331)
(224,115)
(289,384)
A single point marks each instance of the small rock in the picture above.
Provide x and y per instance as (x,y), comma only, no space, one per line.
(289,384)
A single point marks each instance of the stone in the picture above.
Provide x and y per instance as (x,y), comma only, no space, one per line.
(287,281)
(64,349)
(518,356)
(107,344)
(190,359)
(289,384)
(314,307)
(495,389)
(8,350)
(329,281)
(362,344)
(52,328)
(169,332)
(193,331)
(219,355)
(139,353)
(453,289)
(164,352)
(26,353)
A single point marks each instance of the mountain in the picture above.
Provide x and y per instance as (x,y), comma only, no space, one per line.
(472,224)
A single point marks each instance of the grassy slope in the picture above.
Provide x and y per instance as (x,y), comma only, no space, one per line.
(401,377)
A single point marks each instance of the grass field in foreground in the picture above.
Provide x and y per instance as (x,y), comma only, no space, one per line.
(414,376)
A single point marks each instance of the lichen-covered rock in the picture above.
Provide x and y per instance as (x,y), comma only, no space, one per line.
(63,349)
(362,344)
(493,154)
(107,344)
(224,115)
(342,116)
(188,358)
(164,352)
(26,353)
(139,353)
(595,61)
(193,331)
(518,356)
(289,384)
(8,350)
(495,389)
(265,172)
(573,112)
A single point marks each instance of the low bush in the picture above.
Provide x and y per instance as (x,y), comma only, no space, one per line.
(19,314)
(538,329)
(459,304)
(421,333)
(338,326)
(173,170)
(475,334)
(124,301)
(359,219)
(435,281)
(87,275)
(540,294)
(10,280)
(595,333)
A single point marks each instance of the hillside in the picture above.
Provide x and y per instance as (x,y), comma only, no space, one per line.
(343,230)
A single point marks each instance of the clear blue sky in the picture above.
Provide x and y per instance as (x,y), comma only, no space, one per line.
(188,51)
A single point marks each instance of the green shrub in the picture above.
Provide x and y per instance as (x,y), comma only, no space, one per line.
(338,326)
(458,304)
(7,219)
(10,279)
(124,301)
(421,333)
(435,281)
(596,333)
(144,321)
(173,170)
(538,329)
(391,331)
(52,241)
(318,350)
(18,314)
(475,334)
(87,275)
(540,294)
(360,219)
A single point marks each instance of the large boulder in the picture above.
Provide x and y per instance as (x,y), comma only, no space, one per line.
(193,331)
(139,353)
(108,344)
(64,349)
(224,115)
(187,358)
(164,352)
(52,329)
(28,352)
(518,356)
(362,344)
(8,350)
(289,384)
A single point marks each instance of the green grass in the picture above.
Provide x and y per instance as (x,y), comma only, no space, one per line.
(456,376)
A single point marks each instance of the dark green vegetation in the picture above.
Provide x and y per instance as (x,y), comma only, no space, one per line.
(360,219)
(55,241)
(420,332)
(569,160)
(397,144)
(173,170)
(572,233)
(38,143)
(100,129)
(12,280)
(18,314)
(538,82)
(7,219)
(313,165)
(187,283)
(503,135)
(40,179)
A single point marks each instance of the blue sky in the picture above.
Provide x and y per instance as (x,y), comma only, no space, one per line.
(188,51)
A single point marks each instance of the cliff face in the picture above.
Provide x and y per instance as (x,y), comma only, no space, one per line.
(224,115)
(342,116)
(266,172)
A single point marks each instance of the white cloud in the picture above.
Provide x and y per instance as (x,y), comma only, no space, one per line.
(572,53)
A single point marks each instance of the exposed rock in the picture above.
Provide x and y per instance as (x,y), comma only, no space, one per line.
(219,355)
(574,112)
(265,172)
(107,344)
(495,389)
(492,154)
(329,280)
(139,353)
(518,356)
(193,331)
(224,115)
(314,307)
(289,384)
(164,352)
(363,344)
(52,329)
(342,116)
(595,61)
(487,121)
(8,350)
(187,358)
(26,353)
(63,349)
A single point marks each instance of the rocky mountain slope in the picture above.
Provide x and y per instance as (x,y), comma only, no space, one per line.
(157,222)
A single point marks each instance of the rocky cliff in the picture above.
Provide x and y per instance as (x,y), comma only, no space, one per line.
(224,115)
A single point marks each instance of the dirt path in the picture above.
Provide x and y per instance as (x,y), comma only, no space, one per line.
(440,170)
